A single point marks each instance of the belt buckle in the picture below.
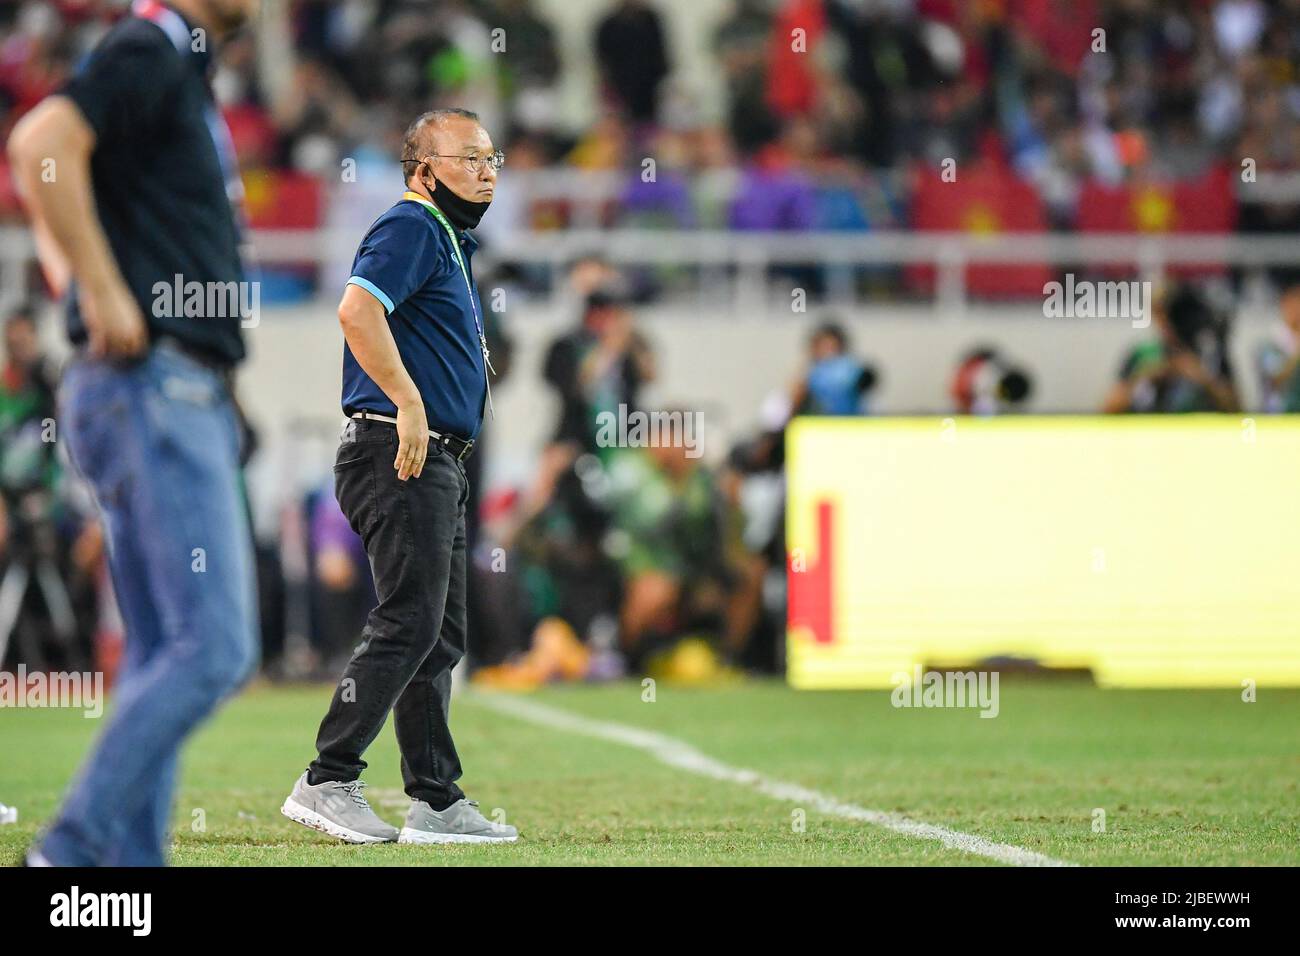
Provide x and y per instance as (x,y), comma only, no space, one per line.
(445,439)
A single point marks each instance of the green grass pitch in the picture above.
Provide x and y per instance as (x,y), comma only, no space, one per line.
(1184,777)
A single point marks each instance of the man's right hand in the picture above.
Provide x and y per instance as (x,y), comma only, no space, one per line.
(412,440)
(115,325)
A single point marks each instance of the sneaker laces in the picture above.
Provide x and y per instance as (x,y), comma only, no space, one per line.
(353,790)
(472,804)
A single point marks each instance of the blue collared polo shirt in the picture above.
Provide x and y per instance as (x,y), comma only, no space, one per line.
(407,263)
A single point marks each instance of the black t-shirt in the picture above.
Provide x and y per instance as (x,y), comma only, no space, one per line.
(160,188)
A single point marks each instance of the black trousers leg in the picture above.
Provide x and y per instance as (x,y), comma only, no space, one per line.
(414,533)
(430,765)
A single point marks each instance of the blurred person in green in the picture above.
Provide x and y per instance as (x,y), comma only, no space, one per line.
(675,541)
(634,545)
(1279,358)
(27,390)
(35,539)
(29,470)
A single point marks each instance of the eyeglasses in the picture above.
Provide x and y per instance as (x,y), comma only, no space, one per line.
(475,164)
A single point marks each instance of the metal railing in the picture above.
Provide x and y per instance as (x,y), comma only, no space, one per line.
(743,259)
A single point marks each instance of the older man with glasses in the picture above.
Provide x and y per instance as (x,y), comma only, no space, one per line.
(415,386)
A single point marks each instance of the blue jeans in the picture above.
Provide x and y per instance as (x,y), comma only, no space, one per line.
(158,443)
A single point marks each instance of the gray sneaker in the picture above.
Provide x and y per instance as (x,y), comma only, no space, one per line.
(339,809)
(459,823)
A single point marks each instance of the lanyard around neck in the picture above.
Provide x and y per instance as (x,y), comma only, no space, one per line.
(455,246)
(469,286)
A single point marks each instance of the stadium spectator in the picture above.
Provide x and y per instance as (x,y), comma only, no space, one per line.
(740,43)
(987,383)
(561,588)
(1185,368)
(753,482)
(836,382)
(530,74)
(588,273)
(777,191)
(820,135)
(343,588)
(598,367)
(1176,91)
(34,537)
(792,74)
(661,200)
(316,118)
(889,68)
(35,59)
(605,145)
(673,538)
(28,379)
(48,522)
(28,465)
(633,56)
(1279,359)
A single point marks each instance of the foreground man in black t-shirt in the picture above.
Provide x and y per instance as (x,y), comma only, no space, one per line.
(131,182)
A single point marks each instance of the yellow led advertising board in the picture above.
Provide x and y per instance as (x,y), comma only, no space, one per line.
(1158,551)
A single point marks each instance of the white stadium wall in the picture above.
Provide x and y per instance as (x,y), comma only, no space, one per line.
(726,367)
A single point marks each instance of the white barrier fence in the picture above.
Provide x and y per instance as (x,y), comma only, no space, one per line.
(734,265)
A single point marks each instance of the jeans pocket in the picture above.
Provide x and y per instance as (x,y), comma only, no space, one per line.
(354,489)
(350,463)
(95,403)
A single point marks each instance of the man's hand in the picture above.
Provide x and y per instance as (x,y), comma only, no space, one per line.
(114,323)
(1220,389)
(70,238)
(413,440)
(616,338)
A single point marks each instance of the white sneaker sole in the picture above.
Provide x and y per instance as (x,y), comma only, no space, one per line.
(424,836)
(296,812)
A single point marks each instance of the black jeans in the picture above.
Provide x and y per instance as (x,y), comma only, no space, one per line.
(414,533)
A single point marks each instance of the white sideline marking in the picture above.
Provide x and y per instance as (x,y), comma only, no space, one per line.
(678,753)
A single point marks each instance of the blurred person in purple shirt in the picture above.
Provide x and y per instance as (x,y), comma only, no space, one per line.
(341,583)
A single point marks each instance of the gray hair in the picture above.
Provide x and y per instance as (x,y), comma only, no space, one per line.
(415,132)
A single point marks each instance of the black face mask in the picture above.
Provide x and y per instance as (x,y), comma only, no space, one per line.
(463,213)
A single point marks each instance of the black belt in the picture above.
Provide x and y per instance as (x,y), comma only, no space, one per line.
(457,446)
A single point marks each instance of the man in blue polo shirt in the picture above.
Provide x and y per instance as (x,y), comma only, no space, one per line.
(415,384)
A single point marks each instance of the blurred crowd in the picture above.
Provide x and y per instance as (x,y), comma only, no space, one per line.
(615,558)
(835,115)
(829,108)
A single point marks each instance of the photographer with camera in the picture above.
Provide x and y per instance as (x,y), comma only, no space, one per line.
(1278,358)
(1186,368)
(31,549)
